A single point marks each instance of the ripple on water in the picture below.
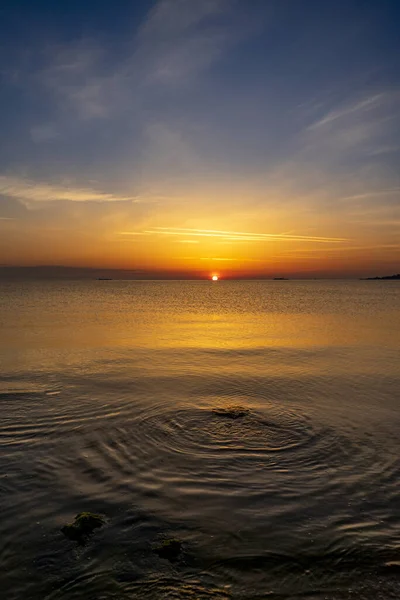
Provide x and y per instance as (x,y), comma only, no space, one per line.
(102,586)
(173,587)
(200,432)
(151,448)
(198,451)
(160,444)
(45,416)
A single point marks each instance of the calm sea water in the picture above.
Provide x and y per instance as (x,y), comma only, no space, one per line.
(107,392)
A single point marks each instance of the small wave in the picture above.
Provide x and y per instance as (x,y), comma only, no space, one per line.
(34,417)
(103,586)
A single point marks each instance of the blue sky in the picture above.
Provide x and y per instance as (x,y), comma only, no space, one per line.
(122,120)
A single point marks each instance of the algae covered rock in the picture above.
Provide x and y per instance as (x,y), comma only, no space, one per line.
(169,549)
(84,525)
(231,412)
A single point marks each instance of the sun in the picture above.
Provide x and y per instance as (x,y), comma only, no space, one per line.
(214,277)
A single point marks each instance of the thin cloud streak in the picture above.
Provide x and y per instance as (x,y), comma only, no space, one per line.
(366,104)
(232,259)
(24,189)
(238,235)
(221,259)
(365,248)
(133,233)
(372,194)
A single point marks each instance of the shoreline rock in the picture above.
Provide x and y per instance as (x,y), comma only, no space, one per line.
(84,525)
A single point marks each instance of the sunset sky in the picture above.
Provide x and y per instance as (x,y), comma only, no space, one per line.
(239,137)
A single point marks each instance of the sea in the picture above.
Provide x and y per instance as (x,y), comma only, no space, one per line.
(254,422)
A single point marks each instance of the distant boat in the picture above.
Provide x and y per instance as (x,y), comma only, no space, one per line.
(104,279)
(281,279)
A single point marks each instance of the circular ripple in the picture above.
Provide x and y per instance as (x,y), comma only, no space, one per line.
(212,431)
(191,452)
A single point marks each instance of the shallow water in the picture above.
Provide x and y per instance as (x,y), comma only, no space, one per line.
(108,391)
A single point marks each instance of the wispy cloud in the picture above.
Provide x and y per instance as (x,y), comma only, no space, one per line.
(373,194)
(180,38)
(357,128)
(28,190)
(367,104)
(225,259)
(176,42)
(77,81)
(133,233)
(235,235)
(220,259)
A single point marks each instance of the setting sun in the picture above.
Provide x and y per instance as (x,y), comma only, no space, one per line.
(214,277)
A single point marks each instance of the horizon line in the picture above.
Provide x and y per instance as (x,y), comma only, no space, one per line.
(153,275)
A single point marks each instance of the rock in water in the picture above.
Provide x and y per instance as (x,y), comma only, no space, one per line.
(169,549)
(231,412)
(84,525)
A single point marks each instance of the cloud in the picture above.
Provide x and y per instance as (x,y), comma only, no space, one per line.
(335,162)
(374,194)
(235,235)
(221,259)
(174,16)
(76,80)
(177,40)
(359,128)
(180,38)
(27,190)
(367,104)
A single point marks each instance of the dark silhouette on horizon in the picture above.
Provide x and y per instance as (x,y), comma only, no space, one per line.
(397,276)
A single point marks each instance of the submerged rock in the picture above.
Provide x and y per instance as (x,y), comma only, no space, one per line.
(231,412)
(84,525)
(169,549)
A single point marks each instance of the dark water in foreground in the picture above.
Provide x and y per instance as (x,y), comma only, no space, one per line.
(107,391)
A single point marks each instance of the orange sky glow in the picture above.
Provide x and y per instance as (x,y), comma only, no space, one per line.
(184,142)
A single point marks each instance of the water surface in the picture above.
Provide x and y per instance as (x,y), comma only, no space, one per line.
(108,391)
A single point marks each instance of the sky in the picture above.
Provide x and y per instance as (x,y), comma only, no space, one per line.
(244,138)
